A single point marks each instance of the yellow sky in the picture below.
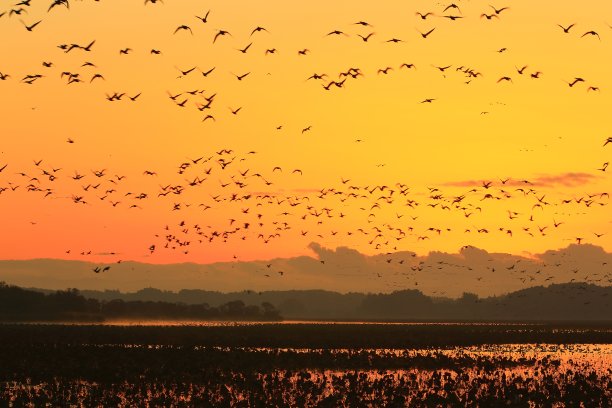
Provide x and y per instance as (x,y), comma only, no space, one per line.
(373,130)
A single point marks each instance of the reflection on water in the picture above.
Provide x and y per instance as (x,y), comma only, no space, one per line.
(155,375)
(305,364)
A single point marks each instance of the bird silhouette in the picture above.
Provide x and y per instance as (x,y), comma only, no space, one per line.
(245,49)
(257,30)
(183,28)
(574,82)
(220,33)
(205,18)
(206,73)
(567,29)
(32,26)
(499,11)
(426,34)
(241,77)
(424,16)
(365,38)
(591,33)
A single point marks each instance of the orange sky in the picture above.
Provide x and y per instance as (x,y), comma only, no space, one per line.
(373,131)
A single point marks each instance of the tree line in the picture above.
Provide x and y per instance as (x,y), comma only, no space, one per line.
(18,304)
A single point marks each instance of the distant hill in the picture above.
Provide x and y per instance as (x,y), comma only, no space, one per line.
(342,270)
(571,301)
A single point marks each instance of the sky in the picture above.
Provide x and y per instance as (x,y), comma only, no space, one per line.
(484,138)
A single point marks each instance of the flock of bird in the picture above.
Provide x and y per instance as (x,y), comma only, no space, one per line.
(384,217)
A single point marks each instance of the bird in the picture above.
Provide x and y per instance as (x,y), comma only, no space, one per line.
(488,16)
(367,37)
(206,73)
(442,69)
(451,6)
(258,29)
(574,82)
(592,33)
(183,27)
(219,34)
(205,18)
(32,26)
(58,3)
(498,11)
(245,49)
(426,34)
(521,70)
(96,76)
(567,29)
(424,16)
(241,77)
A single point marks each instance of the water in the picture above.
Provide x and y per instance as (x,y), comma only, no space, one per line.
(296,364)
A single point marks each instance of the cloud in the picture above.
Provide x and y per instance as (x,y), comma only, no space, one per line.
(548,180)
(341,269)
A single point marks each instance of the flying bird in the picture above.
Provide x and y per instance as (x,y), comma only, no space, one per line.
(425,35)
(206,73)
(365,38)
(219,34)
(241,77)
(183,27)
(32,26)
(567,29)
(336,32)
(574,82)
(498,11)
(424,16)
(258,29)
(245,49)
(592,33)
(205,18)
